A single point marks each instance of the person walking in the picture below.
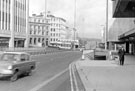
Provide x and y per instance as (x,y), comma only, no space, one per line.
(121,53)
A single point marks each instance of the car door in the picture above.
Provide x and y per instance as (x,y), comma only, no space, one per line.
(27,64)
(23,63)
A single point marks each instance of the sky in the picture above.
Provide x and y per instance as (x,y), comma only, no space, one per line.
(90,14)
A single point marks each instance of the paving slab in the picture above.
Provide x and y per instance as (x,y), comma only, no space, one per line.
(107,75)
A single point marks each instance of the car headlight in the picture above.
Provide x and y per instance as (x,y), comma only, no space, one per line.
(10,67)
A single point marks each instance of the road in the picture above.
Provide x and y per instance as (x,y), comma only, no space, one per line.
(51,74)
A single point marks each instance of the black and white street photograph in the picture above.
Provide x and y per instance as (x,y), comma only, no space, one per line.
(67,45)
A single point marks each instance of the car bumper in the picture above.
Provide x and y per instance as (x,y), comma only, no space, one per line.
(5,73)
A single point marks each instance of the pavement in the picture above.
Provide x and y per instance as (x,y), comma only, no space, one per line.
(106,75)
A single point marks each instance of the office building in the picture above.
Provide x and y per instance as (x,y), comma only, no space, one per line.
(14,23)
(122,31)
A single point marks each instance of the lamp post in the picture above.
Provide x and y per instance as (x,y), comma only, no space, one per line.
(106,30)
(74,29)
(103,33)
(46,22)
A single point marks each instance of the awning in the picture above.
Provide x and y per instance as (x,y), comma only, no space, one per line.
(128,36)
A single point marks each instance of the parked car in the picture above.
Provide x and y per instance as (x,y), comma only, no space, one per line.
(14,64)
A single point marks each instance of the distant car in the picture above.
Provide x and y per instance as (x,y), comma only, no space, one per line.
(14,64)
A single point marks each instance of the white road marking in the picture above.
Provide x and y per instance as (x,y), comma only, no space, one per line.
(75,80)
(71,78)
(38,87)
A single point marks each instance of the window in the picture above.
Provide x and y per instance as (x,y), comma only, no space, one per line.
(30,40)
(27,57)
(38,39)
(43,40)
(30,31)
(34,40)
(34,32)
(23,57)
(51,29)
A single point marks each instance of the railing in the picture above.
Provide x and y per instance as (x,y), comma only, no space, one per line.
(33,51)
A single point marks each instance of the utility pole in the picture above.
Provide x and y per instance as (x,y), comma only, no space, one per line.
(46,23)
(74,22)
(106,30)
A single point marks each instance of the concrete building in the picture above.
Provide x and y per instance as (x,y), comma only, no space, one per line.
(14,23)
(122,30)
(39,28)
(57,29)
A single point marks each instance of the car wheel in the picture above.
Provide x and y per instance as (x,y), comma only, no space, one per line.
(29,73)
(14,77)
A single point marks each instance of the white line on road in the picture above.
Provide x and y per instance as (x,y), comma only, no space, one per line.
(75,80)
(38,87)
(71,78)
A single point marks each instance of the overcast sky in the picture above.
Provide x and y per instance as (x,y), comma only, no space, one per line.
(90,14)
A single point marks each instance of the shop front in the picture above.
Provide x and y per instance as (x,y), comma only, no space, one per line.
(129,39)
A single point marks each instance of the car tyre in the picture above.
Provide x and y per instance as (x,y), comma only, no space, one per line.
(30,73)
(14,77)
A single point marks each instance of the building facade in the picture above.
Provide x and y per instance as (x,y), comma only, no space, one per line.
(39,27)
(14,23)
(122,31)
(57,29)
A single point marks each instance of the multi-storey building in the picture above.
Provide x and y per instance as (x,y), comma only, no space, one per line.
(14,23)
(39,28)
(122,30)
(57,29)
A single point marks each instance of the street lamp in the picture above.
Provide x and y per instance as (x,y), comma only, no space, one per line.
(106,30)
(103,33)
(74,29)
(46,23)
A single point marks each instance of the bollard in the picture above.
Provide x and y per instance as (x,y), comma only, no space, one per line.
(83,57)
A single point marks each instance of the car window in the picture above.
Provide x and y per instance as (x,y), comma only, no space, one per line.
(27,57)
(23,57)
(10,57)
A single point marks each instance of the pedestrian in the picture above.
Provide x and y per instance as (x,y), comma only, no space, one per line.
(121,53)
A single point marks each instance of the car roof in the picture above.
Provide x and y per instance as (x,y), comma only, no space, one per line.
(17,53)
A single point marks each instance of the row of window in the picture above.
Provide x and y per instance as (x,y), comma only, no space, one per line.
(38,20)
(53,39)
(55,25)
(19,21)
(7,1)
(20,5)
(37,32)
(55,34)
(5,14)
(36,27)
(36,40)
(55,19)
(5,18)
